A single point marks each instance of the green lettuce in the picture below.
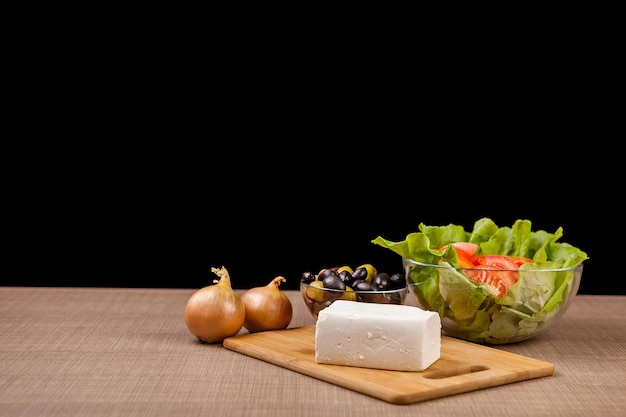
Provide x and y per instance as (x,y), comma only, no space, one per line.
(467,308)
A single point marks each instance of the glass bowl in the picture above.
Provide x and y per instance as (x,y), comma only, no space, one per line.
(318,298)
(471,312)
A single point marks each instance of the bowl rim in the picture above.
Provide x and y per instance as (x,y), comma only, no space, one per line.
(395,290)
(406,261)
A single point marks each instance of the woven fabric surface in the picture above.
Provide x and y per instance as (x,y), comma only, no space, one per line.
(127,352)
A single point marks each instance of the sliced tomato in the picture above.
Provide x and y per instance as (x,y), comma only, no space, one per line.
(466,247)
(519,260)
(499,261)
(498,282)
(465,260)
(497,272)
(465,253)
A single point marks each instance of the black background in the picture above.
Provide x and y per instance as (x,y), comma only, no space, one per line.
(146,165)
(163,215)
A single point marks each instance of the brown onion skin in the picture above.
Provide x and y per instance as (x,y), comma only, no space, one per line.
(215,312)
(267,308)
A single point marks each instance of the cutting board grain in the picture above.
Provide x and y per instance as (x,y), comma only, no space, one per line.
(462,367)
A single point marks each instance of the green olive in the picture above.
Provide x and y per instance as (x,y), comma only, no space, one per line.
(345,268)
(349,294)
(315,291)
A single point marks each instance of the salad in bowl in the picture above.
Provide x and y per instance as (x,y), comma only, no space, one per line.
(491,285)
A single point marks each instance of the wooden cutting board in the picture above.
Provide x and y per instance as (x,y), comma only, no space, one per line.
(462,367)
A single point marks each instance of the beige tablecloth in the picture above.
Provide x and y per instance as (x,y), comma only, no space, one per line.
(127,352)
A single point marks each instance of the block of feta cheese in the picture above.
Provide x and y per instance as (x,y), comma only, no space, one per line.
(382,336)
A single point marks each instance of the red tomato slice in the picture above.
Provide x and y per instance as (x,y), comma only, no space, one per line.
(466,247)
(465,260)
(519,260)
(465,252)
(497,272)
(499,261)
(498,282)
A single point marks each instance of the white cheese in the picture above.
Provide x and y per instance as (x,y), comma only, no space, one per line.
(382,336)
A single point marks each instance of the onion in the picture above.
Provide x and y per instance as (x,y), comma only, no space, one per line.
(267,307)
(215,312)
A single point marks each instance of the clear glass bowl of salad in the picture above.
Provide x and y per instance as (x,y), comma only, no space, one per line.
(492,285)
(491,305)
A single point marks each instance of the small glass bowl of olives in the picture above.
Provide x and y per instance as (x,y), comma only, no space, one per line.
(362,284)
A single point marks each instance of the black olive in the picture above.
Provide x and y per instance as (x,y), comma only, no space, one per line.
(325,272)
(346,277)
(362,285)
(397,281)
(359,273)
(308,277)
(381,281)
(332,281)
(367,292)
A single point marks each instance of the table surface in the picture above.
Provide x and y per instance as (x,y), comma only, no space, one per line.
(127,352)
